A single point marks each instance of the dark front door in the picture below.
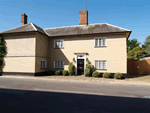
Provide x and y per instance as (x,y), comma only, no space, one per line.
(80,66)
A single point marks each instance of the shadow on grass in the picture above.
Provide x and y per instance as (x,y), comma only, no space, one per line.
(23,101)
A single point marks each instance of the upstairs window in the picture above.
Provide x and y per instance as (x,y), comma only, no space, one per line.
(59,43)
(100,42)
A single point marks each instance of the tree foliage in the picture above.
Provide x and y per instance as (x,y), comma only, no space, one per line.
(2,50)
(131,44)
(147,44)
(136,53)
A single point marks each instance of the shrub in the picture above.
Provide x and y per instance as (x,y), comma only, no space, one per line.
(51,72)
(89,69)
(58,72)
(71,68)
(95,74)
(65,72)
(118,75)
(106,75)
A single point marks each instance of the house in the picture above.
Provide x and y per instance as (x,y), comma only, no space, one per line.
(31,50)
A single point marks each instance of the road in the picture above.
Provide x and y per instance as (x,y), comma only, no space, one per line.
(37,96)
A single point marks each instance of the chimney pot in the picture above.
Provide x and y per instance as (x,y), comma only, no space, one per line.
(24,19)
(83,17)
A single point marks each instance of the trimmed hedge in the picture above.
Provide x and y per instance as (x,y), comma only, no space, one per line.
(65,72)
(118,75)
(58,72)
(107,75)
(95,74)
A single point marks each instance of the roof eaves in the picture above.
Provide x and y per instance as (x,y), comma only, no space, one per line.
(90,34)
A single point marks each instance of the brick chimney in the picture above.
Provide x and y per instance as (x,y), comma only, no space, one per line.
(24,19)
(83,17)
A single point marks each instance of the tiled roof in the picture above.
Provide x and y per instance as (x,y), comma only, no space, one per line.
(85,29)
(25,28)
(70,30)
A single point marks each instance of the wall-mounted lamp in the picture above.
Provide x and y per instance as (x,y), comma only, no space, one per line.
(87,59)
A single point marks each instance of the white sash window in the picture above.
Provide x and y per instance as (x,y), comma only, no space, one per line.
(100,64)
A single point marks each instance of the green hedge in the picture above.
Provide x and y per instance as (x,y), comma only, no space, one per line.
(95,74)
(58,72)
(107,75)
(65,72)
(118,75)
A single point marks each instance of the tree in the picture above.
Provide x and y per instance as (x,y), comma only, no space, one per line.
(136,53)
(147,44)
(2,50)
(131,44)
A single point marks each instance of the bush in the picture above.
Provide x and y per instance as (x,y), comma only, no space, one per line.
(71,68)
(95,74)
(58,72)
(51,72)
(118,75)
(106,75)
(65,72)
(89,69)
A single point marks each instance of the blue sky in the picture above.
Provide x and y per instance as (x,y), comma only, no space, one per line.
(130,14)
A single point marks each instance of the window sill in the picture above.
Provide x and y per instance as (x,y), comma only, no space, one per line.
(99,46)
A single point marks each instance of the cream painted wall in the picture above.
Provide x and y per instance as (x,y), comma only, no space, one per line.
(19,64)
(20,45)
(41,50)
(114,53)
(20,53)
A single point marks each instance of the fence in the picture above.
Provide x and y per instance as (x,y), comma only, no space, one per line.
(138,67)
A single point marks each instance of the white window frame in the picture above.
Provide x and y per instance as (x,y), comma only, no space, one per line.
(41,64)
(102,66)
(102,38)
(60,45)
(59,66)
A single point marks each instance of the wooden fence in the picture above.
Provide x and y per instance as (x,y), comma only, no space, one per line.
(138,67)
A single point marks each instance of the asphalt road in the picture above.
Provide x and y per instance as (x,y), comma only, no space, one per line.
(48,96)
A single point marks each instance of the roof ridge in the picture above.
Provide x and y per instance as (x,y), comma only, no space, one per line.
(64,26)
(117,27)
(33,26)
(15,27)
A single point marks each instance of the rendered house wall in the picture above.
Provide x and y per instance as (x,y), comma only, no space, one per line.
(41,51)
(20,53)
(114,53)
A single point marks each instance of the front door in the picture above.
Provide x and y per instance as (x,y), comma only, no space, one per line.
(80,66)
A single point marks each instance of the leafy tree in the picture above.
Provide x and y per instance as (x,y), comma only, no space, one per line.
(147,44)
(131,44)
(136,53)
(2,50)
